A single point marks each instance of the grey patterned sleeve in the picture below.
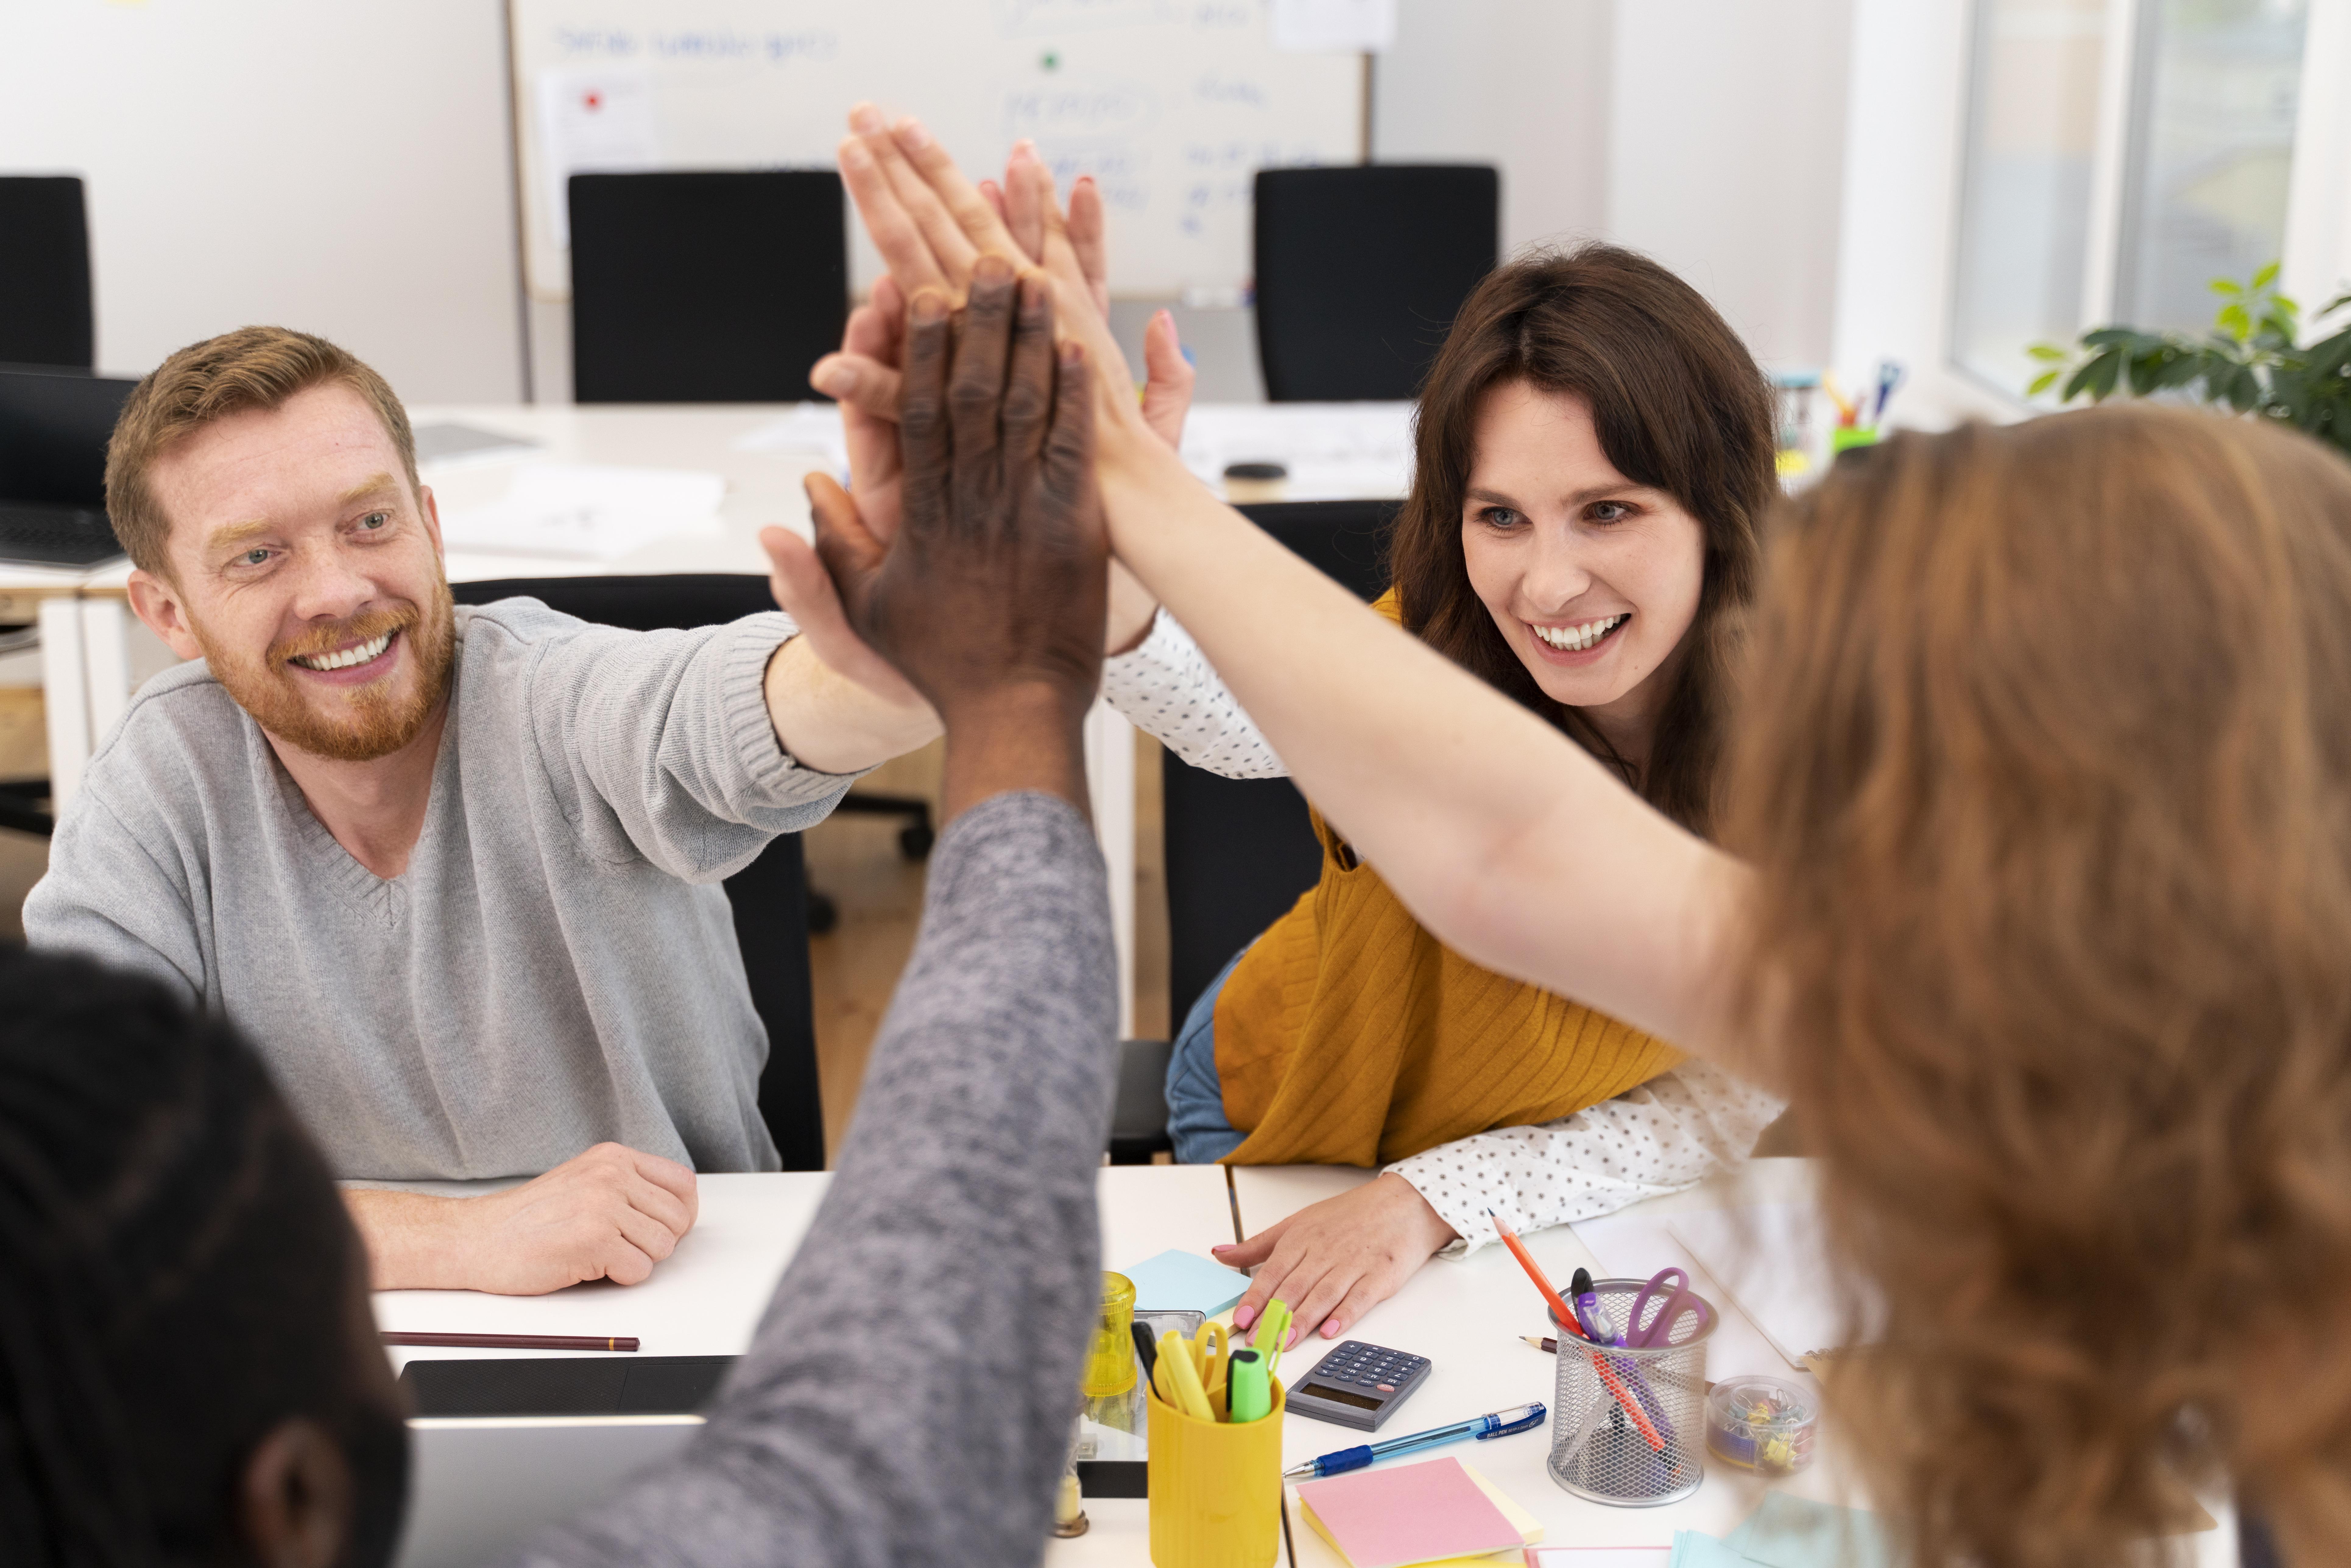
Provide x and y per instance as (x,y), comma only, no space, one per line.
(909,1395)
(1167,687)
(1671,1132)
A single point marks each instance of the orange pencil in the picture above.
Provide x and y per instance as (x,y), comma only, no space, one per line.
(1566,1316)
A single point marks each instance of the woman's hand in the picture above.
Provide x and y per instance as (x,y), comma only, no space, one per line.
(1334,1261)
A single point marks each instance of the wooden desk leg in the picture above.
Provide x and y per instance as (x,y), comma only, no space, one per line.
(64,697)
(1109,777)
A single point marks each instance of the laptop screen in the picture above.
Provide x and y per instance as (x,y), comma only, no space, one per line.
(54,426)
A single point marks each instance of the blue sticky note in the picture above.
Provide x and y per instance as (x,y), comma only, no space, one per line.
(1693,1550)
(1790,1531)
(1184,1282)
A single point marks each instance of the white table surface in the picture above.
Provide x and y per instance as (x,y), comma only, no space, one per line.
(1467,1315)
(707,1297)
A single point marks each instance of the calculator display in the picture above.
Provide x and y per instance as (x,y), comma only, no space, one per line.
(1324,1391)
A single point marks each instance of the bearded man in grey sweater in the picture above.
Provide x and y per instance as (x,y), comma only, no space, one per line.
(454,870)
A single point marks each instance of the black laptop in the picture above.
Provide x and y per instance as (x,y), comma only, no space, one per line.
(54,426)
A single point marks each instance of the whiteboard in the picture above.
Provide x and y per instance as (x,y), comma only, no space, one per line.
(1171,105)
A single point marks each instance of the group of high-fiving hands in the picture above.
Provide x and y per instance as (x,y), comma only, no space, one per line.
(971,565)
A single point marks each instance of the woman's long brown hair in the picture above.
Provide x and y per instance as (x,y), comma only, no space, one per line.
(1678,405)
(2047,781)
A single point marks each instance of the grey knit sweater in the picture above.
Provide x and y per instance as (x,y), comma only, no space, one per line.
(556,968)
(909,1395)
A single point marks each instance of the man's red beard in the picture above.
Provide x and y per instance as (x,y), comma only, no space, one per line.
(357,724)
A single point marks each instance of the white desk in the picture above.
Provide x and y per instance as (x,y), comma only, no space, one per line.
(706,1298)
(1467,1315)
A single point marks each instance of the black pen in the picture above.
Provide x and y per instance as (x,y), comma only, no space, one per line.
(1146,1351)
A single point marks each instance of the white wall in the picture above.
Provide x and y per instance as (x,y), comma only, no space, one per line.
(1726,151)
(346,169)
(1521,84)
(339,168)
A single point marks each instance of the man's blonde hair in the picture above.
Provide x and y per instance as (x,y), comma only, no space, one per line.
(252,367)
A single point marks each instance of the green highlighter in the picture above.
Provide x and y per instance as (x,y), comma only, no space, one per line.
(1249,1395)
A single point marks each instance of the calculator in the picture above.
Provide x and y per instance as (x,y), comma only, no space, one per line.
(1358,1385)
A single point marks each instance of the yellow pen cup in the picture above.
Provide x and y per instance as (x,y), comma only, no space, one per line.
(1215,1487)
(1110,1359)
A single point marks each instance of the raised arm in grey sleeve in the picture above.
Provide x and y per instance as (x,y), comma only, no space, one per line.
(909,1395)
(1166,688)
(660,743)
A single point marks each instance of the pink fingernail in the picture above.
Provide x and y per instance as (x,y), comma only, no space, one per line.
(1330,1330)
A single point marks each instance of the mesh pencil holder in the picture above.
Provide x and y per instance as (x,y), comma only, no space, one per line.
(1629,1425)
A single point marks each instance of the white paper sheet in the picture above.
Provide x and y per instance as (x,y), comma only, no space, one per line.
(1334,451)
(1772,1259)
(811,427)
(589,512)
(1334,27)
(593,120)
(1634,1245)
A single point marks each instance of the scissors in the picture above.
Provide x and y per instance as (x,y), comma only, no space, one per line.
(1674,1302)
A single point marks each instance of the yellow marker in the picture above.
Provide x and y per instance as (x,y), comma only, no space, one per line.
(1183,1378)
(1271,1329)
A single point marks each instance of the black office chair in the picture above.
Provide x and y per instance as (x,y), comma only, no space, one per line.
(1238,851)
(45,317)
(717,288)
(1360,270)
(769,895)
(705,287)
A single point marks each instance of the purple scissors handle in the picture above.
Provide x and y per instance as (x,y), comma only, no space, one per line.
(1674,1301)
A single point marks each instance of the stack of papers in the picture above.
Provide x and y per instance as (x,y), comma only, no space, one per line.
(1437,1511)
(589,512)
(1334,451)
(1179,1281)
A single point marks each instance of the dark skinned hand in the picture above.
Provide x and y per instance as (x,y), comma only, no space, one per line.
(990,599)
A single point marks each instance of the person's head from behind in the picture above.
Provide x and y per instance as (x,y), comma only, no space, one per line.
(2051,808)
(1594,451)
(188,1366)
(264,483)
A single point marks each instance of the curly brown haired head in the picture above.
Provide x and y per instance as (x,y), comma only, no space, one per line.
(2046,772)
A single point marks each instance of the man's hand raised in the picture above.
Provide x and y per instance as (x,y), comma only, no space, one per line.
(609,1214)
(990,598)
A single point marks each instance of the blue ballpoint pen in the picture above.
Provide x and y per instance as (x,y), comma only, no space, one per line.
(1500,1423)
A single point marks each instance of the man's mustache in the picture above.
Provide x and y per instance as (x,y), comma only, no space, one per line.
(360,628)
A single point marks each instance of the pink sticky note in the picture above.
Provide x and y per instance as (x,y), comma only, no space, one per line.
(1417,1513)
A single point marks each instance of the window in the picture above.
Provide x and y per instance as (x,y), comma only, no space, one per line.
(2217,84)
(2119,155)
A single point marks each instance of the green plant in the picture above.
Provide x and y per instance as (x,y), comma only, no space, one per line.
(2249,363)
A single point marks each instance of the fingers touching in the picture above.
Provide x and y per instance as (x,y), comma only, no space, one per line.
(1168,379)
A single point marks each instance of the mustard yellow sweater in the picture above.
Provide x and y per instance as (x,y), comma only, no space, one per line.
(1349,1036)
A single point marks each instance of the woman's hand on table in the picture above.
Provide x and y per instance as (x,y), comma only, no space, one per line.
(1334,1261)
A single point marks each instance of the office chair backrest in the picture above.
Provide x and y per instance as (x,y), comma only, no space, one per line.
(1240,850)
(769,895)
(705,287)
(45,304)
(1359,272)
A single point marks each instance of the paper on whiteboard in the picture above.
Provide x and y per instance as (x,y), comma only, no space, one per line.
(810,427)
(1773,1260)
(593,120)
(1633,1245)
(1334,27)
(1334,451)
(588,512)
